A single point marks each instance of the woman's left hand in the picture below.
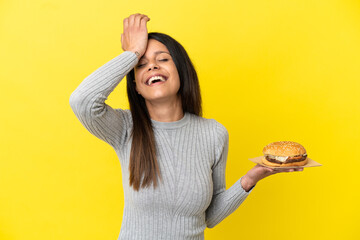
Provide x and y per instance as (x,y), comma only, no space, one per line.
(259,172)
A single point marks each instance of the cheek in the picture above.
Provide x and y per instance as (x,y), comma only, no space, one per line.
(175,74)
(177,80)
(178,83)
(138,72)
(136,75)
(139,86)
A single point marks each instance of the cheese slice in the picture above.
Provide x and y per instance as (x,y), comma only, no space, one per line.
(278,158)
(281,158)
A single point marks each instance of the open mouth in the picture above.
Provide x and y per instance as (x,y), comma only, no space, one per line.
(155,79)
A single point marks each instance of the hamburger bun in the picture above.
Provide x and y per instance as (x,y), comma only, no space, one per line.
(284,154)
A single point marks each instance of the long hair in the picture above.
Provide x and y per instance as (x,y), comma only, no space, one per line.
(143,167)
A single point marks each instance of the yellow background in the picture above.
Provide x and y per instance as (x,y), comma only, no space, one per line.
(269,71)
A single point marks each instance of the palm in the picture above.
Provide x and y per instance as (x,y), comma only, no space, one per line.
(259,172)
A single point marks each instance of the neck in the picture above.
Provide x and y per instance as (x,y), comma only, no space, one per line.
(165,111)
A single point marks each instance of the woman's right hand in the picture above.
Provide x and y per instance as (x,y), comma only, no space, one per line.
(135,35)
(259,172)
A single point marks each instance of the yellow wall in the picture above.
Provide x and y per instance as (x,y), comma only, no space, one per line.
(269,71)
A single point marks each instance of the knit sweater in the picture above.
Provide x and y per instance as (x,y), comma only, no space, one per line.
(191,154)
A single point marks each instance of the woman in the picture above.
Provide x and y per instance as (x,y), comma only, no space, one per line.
(172,159)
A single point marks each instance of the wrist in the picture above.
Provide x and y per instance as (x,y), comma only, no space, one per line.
(138,55)
(246,183)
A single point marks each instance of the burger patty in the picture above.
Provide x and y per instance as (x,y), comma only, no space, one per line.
(298,158)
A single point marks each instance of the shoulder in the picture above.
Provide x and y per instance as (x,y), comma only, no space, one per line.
(215,134)
(222,134)
(219,130)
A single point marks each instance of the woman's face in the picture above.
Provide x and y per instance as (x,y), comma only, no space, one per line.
(156,76)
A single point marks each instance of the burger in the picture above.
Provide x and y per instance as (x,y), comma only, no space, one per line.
(284,154)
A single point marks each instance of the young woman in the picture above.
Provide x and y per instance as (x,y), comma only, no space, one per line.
(172,159)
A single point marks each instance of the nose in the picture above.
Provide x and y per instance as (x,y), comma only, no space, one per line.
(153,66)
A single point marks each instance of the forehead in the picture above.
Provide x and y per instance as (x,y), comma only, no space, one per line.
(154,48)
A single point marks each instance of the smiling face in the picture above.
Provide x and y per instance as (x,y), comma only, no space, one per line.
(156,76)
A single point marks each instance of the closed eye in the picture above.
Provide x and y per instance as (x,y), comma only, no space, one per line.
(141,65)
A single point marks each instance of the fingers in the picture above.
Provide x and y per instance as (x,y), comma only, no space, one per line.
(143,20)
(135,20)
(288,169)
(126,24)
(135,35)
(278,170)
(131,18)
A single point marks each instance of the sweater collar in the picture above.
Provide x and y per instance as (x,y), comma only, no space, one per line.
(171,125)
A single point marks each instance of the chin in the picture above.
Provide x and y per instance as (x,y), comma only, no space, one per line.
(160,95)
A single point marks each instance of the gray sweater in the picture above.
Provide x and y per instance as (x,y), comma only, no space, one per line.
(191,153)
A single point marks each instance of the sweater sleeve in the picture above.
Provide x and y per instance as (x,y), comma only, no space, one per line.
(88,100)
(223,202)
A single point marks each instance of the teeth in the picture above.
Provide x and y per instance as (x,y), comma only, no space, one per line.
(156,78)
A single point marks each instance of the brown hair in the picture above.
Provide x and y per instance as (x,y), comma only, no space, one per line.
(143,167)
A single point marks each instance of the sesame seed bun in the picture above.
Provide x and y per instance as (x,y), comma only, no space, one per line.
(284,154)
(284,149)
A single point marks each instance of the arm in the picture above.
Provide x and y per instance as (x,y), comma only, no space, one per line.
(88,100)
(224,202)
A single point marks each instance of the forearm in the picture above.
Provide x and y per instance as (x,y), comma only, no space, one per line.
(225,203)
(88,100)
(91,94)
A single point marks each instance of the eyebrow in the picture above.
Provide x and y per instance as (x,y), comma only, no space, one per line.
(156,53)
